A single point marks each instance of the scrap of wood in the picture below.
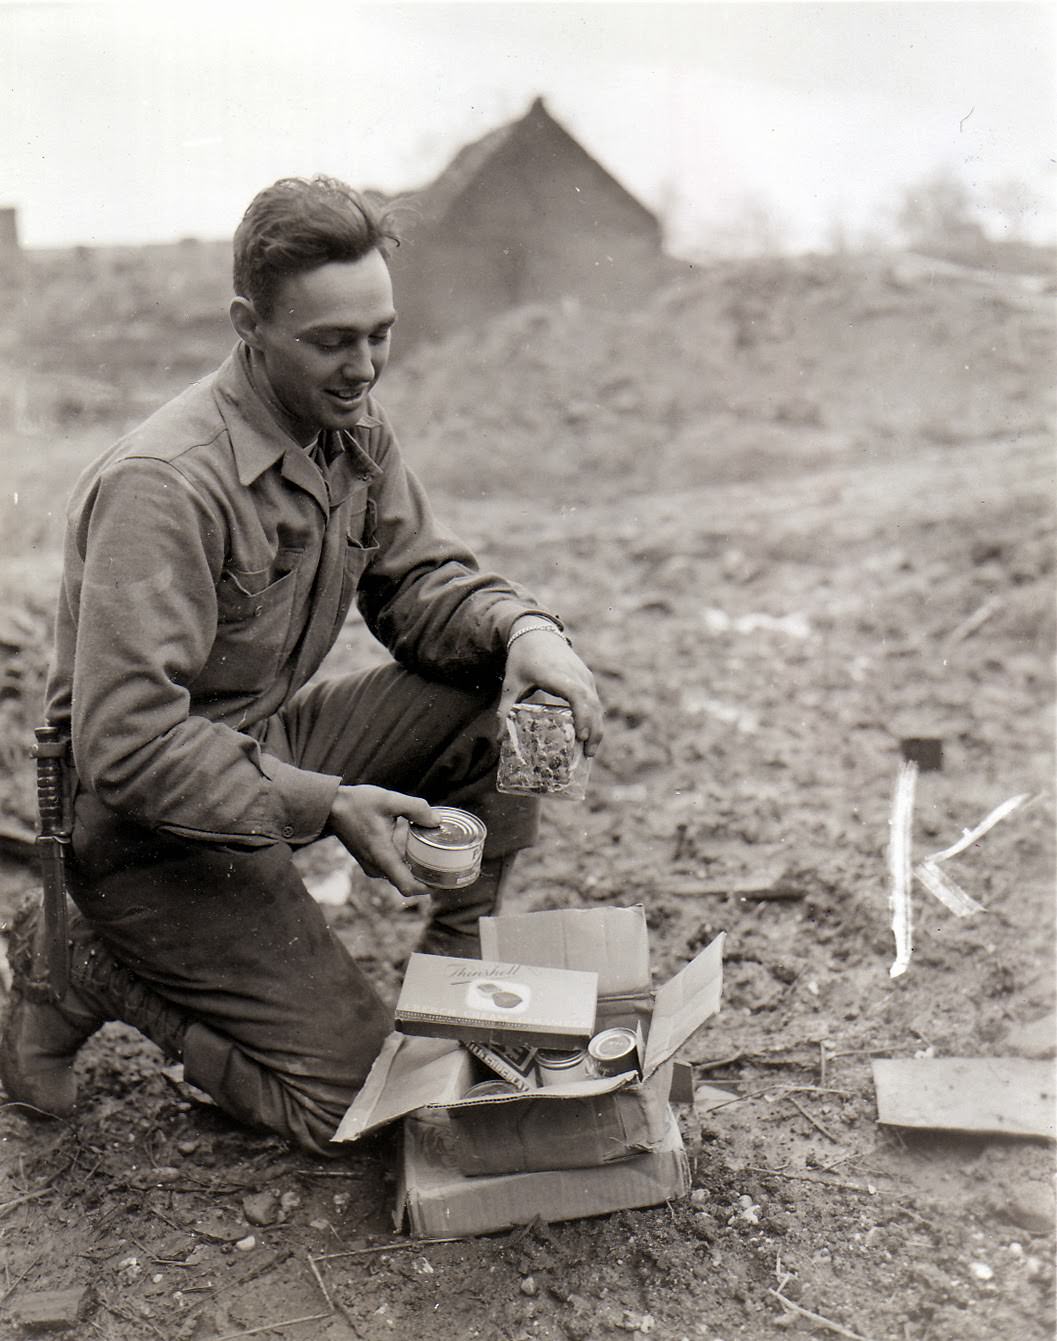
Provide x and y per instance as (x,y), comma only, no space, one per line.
(816,1124)
(388,1247)
(972,622)
(709,1098)
(817,1318)
(50,1310)
(970,836)
(867,1189)
(899,867)
(1010,1096)
(272,1327)
(948,891)
(772,884)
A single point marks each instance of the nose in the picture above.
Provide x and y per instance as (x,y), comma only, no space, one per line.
(357,365)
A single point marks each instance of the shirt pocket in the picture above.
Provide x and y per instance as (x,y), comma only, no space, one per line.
(361,543)
(254,622)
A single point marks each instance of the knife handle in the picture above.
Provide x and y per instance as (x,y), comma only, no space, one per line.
(49,751)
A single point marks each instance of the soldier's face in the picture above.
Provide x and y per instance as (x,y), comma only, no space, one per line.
(326,342)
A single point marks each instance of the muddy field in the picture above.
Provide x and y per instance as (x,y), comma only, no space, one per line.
(827,529)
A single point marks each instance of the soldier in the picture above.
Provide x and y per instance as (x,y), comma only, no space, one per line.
(211,558)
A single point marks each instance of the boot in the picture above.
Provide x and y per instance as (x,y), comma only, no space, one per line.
(41,1037)
(452,928)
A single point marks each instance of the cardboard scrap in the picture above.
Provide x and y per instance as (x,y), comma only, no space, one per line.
(1008,1096)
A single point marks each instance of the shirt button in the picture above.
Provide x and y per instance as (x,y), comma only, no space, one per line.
(288,831)
(258,611)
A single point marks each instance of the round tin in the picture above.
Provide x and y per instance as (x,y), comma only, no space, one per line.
(494,1088)
(558,1066)
(448,856)
(614,1051)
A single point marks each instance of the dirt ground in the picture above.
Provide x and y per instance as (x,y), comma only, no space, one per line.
(764,634)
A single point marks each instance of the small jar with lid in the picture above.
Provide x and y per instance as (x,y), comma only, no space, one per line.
(561,1066)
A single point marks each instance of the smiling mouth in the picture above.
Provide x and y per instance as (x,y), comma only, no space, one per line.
(347,397)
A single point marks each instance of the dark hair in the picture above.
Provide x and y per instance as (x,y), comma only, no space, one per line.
(299,223)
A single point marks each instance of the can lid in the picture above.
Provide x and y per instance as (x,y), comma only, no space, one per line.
(559,1056)
(485,1087)
(457,829)
(612,1043)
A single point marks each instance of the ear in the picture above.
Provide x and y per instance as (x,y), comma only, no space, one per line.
(246,321)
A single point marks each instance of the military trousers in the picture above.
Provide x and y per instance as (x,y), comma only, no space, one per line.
(283,1024)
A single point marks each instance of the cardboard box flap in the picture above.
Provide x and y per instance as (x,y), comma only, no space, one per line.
(684,1003)
(408,1073)
(612,942)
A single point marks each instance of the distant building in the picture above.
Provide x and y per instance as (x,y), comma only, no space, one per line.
(523,215)
(9,245)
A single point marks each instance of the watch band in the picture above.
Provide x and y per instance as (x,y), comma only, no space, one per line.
(544,626)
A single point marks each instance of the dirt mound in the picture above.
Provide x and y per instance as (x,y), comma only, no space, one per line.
(737,370)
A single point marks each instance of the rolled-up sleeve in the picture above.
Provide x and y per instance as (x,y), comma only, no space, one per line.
(139,613)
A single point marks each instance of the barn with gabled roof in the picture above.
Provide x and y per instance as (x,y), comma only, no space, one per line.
(523,215)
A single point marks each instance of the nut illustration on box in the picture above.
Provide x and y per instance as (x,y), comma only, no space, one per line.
(511,996)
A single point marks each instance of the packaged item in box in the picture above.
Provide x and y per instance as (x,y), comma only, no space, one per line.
(496,1002)
(516,1066)
(539,754)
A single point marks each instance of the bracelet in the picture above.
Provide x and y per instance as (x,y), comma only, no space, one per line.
(544,626)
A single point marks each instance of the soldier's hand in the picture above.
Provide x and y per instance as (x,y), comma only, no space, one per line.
(372,824)
(541,660)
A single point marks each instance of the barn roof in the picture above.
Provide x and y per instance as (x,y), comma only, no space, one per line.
(434,201)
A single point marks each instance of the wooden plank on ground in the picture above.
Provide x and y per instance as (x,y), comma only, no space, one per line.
(1009,1096)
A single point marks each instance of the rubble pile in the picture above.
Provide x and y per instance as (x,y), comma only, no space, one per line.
(737,369)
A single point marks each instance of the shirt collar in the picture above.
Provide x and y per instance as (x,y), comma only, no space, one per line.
(260,429)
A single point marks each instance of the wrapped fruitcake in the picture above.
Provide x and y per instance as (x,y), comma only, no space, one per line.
(540,755)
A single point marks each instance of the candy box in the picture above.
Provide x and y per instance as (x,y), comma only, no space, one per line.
(492,1001)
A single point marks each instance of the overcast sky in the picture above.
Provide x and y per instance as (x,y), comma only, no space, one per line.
(151,121)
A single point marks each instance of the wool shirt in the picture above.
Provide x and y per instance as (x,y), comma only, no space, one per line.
(209,567)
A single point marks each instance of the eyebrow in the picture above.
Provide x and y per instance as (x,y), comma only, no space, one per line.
(335,328)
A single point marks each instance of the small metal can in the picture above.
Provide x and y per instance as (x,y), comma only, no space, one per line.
(449,855)
(558,1066)
(491,1089)
(614,1051)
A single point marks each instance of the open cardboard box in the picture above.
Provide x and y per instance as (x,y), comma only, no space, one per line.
(438,1200)
(578,1125)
